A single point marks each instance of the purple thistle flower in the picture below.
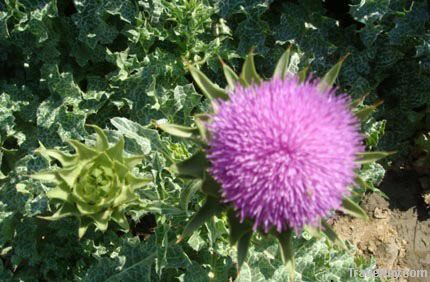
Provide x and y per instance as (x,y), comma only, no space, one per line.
(284,152)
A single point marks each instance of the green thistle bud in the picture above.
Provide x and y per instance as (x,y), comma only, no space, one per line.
(95,184)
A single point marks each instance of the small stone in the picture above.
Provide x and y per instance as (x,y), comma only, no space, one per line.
(361,246)
(426,197)
(371,248)
(381,213)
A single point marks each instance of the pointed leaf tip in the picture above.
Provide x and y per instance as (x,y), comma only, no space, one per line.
(177,130)
(303,74)
(367,110)
(357,102)
(281,69)
(353,209)
(211,90)
(201,121)
(370,157)
(237,228)
(210,208)
(83,227)
(85,152)
(249,74)
(229,74)
(102,142)
(116,152)
(330,77)
(49,154)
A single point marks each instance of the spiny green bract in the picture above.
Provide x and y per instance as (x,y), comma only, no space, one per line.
(95,184)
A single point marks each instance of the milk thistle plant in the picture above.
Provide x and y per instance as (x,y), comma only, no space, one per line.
(277,156)
(95,184)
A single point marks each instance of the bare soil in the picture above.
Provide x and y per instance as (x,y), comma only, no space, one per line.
(398,232)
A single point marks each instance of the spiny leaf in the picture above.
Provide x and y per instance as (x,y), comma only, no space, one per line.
(64,211)
(361,183)
(178,130)
(249,74)
(210,208)
(101,219)
(194,167)
(63,158)
(331,235)
(242,248)
(86,209)
(370,157)
(83,227)
(286,243)
(201,120)
(126,196)
(137,182)
(355,103)
(119,217)
(231,77)
(133,161)
(303,73)
(102,142)
(210,89)
(69,175)
(330,77)
(188,192)
(351,208)
(281,69)
(211,187)
(367,110)
(116,152)
(59,193)
(84,152)
(237,228)
(46,176)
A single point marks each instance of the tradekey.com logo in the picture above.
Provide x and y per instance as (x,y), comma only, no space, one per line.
(388,273)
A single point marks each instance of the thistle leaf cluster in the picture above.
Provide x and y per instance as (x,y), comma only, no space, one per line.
(95,184)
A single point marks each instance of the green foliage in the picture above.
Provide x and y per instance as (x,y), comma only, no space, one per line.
(120,65)
(311,262)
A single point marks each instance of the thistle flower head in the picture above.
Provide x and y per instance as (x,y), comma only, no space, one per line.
(284,152)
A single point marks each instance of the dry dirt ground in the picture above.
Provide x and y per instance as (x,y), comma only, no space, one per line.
(398,232)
